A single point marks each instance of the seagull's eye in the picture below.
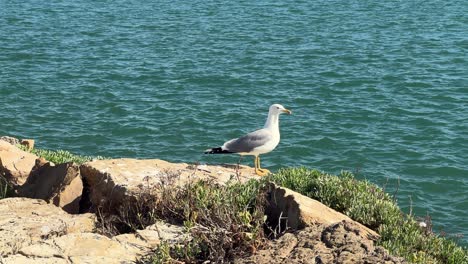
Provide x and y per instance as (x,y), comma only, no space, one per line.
(277,107)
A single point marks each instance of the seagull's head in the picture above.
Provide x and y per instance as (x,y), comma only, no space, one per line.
(278,109)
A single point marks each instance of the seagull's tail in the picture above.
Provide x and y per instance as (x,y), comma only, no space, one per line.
(217,151)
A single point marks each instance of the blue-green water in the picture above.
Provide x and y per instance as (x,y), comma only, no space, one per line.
(376,87)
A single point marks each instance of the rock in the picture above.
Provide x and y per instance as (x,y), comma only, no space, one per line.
(116,180)
(15,164)
(11,140)
(28,143)
(95,248)
(291,210)
(341,242)
(154,234)
(286,245)
(60,185)
(171,234)
(25,221)
(20,259)
(69,196)
(79,248)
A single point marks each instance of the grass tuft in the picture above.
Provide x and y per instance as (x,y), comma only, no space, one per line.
(370,205)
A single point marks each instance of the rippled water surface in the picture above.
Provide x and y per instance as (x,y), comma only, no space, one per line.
(376,87)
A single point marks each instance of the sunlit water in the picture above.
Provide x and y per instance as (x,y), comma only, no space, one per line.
(376,87)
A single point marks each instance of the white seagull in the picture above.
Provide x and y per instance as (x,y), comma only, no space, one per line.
(257,142)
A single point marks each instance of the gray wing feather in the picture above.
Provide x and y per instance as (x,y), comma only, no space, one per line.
(248,142)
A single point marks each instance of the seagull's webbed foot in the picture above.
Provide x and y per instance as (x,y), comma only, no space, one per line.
(262,172)
(259,171)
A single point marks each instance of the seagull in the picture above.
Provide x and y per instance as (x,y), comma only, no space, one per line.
(257,142)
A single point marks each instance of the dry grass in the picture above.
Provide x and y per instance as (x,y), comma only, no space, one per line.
(225,221)
(5,188)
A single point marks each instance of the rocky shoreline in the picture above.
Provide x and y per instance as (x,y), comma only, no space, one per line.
(52,216)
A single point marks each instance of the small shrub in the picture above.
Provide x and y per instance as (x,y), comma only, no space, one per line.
(224,221)
(403,236)
(161,255)
(61,156)
(370,205)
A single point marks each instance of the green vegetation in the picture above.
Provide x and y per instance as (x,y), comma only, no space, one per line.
(59,156)
(371,206)
(62,156)
(224,221)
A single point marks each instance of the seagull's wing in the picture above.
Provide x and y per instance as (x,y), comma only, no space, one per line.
(248,142)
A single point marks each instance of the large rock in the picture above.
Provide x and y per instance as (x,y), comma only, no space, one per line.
(34,177)
(291,210)
(150,237)
(75,248)
(342,242)
(95,248)
(110,182)
(15,164)
(78,248)
(60,185)
(28,143)
(11,140)
(26,221)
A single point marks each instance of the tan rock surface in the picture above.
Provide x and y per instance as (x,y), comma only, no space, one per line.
(60,184)
(11,140)
(28,143)
(110,181)
(25,221)
(95,248)
(341,242)
(79,248)
(153,235)
(20,259)
(15,164)
(171,234)
(296,211)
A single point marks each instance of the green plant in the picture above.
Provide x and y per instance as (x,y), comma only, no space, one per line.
(224,221)
(403,236)
(371,206)
(161,254)
(59,156)
(62,156)
(228,218)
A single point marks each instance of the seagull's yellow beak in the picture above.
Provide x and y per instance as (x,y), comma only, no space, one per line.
(286,111)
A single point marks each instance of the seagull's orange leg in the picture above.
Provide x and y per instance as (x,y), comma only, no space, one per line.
(255,164)
(258,170)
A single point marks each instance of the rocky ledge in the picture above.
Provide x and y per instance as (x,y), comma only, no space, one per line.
(52,216)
